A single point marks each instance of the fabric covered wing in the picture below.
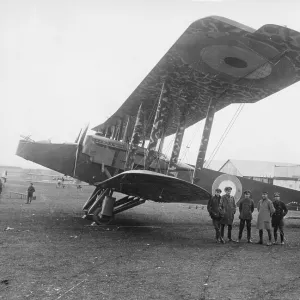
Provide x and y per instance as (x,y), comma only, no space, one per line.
(155,186)
(222,59)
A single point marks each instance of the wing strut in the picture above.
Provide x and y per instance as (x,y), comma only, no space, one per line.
(177,143)
(138,131)
(205,138)
(159,123)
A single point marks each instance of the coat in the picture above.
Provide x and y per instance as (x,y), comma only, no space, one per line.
(213,207)
(265,210)
(228,209)
(246,208)
(30,190)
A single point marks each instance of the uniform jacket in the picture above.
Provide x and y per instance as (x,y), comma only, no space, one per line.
(228,209)
(31,190)
(213,207)
(280,211)
(246,208)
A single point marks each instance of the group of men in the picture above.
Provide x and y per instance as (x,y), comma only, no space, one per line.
(270,213)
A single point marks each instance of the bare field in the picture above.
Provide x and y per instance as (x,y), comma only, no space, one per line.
(154,251)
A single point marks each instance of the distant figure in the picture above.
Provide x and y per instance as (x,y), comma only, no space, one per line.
(30,192)
(246,208)
(213,208)
(265,211)
(228,209)
(58,185)
(4,176)
(277,218)
(1,186)
(78,184)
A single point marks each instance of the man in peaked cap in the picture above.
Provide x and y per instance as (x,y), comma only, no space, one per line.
(213,208)
(228,209)
(246,208)
(277,218)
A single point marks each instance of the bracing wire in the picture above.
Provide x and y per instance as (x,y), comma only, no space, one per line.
(224,135)
(231,123)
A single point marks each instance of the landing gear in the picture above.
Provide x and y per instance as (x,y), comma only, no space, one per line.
(101,207)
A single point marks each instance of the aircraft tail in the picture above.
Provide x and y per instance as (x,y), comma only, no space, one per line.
(58,157)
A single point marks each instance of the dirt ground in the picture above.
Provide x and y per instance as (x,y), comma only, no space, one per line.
(154,251)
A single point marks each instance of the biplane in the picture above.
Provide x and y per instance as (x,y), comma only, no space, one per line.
(214,63)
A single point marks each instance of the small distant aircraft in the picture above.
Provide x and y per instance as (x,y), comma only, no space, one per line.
(214,63)
(53,177)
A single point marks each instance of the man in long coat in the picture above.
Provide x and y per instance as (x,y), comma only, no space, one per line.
(265,211)
(228,209)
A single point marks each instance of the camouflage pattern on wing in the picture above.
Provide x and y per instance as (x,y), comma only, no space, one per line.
(221,59)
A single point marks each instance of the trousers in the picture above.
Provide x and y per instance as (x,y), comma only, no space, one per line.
(280,227)
(242,225)
(229,231)
(217,227)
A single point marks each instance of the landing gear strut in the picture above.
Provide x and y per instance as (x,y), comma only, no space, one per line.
(101,207)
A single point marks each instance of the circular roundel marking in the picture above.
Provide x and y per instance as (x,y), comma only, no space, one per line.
(225,180)
(236,61)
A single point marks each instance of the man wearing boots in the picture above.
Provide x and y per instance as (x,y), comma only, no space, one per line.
(228,209)
(277,218)
(265,211)
(246,208)
(213,208)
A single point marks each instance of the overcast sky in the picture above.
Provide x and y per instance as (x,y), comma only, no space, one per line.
(64,63)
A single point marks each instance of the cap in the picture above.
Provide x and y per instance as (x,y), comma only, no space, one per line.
(247,192)
(264,192)
(276,194)
(218,190)
(228,188)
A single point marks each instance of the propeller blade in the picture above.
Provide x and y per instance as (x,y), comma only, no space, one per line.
(79,148)
(77,139)
(83,135)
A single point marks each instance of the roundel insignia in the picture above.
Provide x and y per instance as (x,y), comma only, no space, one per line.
(225,180)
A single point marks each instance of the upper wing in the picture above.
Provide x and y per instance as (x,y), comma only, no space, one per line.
(222,59)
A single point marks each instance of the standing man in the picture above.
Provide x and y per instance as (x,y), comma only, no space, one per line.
(277,218)
(213,208)
(246,208)
(1,186)
(30,192)
(228,209)
(265,211)
(58,185)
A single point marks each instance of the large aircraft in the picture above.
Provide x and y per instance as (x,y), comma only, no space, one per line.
(214,63)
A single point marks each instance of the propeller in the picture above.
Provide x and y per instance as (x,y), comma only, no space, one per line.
(27,138)
(79,140)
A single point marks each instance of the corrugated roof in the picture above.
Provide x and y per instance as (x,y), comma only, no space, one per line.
(254,168)
(214,164)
